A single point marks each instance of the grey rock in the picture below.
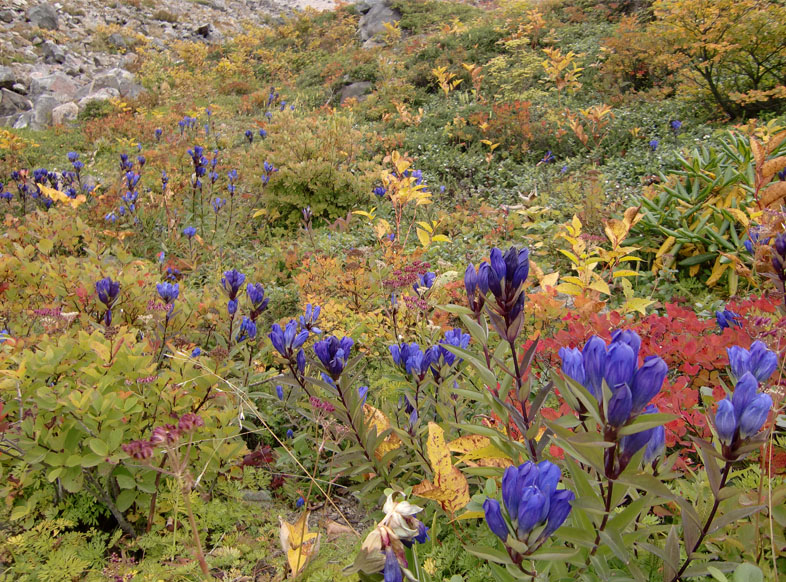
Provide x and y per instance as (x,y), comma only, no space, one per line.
(58,83)
(101,95)
(53,53)
(118,79)
(19,88)
(42,111)
(205,30)
(23,121)
(373,22)
(357,91)
(7,16)
(7,78)
(43,16)
(12,103)
(64,112)
(117,41)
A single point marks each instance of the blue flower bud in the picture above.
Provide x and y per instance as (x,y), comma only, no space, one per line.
(620,365)
(739,360)
(647,382)
(594,356)
(763,361)
(629,337)
(755,415)
(392,570)
(548,477)
(533,509)
(744,392)
(232,306)
(280,392)
(510,491)
(573,364)
(559,509)
(494,519)
(726,421)
(301,361)
(656,445)
(619,406)
(290,434)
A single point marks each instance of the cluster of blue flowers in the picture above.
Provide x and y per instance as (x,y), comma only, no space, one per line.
(741,418)
(632,388)
(417,362)
(504,276)
(533,507)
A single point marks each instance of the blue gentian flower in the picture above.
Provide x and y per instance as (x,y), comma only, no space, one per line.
(534,506)
(280,392)
(189,232)
(333,353)
(107,291)
(654,144)
(158,133)
(300,502)
(675,125)
(248,330)
(617,365)
(380,191)
(424,283)
(759,361)
(309,320)
(196,352)
(290,434)
(168,292)
(232,307)
(287,340)
(249,136)
(727,318)
(262,133)
(231,282)
(218,204)
(743,416)
(256,294)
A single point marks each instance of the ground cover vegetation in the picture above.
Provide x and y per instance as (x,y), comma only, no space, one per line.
(515,314)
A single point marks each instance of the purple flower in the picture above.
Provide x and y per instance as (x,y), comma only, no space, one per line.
(727,318)
(654,144)
(231,282)
(424,283)
(168,292)
(189,232)
(196,352)
(759,361)
(334,353)
(287,340)
(309,320)
(248,330)
(256,294)
(108,291)
(280,392)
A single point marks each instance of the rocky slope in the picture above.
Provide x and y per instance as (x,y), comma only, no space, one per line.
(57,58)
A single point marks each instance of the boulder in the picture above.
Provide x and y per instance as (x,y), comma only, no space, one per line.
(117,40)
(43,16)
(12,103)
(7,16)
(358,90)
(64,112)
(374,20)
(42,111)
(7,78)
(53,53)
(118,79)
(58,83)
(101,95)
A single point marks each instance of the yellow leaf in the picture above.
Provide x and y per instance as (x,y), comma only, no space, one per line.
(569,289)
(740,216)
(440,238)
(382,228)
(625,273)
(664,248)
(616,231)
(717,272)
(450,487)
(298,543)
(773,193)
(601,286)
(423,237)
(377,419)
(773,166)
(638,304)
(549,280)
(58,196)
(758,152)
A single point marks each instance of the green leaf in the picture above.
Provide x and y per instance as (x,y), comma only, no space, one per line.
(717,574)
(98,446)
(489,553)
(646,422)
(125,499)
(748,573)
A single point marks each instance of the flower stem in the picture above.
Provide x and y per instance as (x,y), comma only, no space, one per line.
(707,523)
(525,413)
(195,533)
